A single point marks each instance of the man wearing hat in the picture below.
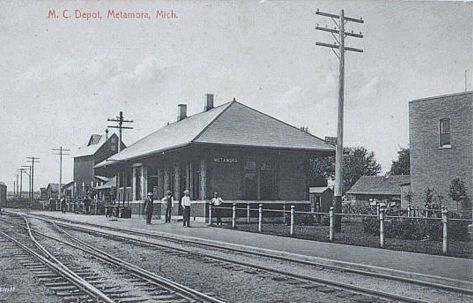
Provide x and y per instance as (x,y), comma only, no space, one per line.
(169,201)
(217,202)
(186,205)
(149,207)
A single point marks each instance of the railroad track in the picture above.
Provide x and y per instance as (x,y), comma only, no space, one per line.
(85,286)
(254,268)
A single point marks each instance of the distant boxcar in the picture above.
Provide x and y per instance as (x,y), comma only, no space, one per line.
(3,194)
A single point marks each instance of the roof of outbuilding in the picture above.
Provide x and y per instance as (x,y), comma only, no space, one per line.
(54,186)
(379,185)
(229,124)
(319,190)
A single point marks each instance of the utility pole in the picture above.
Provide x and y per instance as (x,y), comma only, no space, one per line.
(60,152)
(120,120)
(32,161)
(340,21)
(21,180)
(29,179)
(17,186)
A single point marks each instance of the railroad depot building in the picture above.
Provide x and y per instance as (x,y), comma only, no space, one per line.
(441,143)
(242,153)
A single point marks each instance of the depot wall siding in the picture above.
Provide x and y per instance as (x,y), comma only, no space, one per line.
(292,178)
(431,165)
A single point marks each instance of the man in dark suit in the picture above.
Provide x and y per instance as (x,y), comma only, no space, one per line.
(149,208)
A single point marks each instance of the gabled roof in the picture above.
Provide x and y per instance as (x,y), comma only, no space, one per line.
(229,124)
(54,186)
(379,185)
(319,190)
(94,144)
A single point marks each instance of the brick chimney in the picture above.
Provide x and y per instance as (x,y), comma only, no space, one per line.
(182,112)
(106,134)
(209,102)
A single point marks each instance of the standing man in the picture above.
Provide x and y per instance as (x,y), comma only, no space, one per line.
(87,204)
(186,205)
(63,204)
(149,207)
(217,202)
(169,201)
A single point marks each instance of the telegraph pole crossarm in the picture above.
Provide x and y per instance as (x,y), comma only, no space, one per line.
(120,120)
(339,46)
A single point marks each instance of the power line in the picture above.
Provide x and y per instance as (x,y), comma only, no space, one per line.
(120,120)
(339,44)
(61,152)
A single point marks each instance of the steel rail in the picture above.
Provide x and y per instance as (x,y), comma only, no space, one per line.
(61,271)
(262,254)
(151,277)
(339,285)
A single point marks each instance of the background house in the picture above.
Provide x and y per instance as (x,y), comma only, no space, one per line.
(441,142)
(52,191)
(382,188)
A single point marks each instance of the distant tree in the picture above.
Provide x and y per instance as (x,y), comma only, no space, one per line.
(458,192)
(402,165)
(358,161)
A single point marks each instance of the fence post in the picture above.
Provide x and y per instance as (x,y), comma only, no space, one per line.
(330,214)
(260,218)
(248,213)
(234,215)
(292,220)
(377,209)
(210,213)
(381,227)
(444,231)
(95,213)
(284,213)
(409,210)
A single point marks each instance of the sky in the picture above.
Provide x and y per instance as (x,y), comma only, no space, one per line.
(62,78)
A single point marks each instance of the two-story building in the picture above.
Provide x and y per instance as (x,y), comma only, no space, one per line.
(236,150)
(441,143)
(97,149)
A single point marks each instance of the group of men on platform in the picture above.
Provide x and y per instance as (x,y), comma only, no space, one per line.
(168,200)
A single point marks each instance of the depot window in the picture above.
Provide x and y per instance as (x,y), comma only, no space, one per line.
(445,132)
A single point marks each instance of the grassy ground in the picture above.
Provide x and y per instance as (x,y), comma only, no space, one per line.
(353,234)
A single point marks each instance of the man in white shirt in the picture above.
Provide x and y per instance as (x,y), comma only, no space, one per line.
(217,202)
(186,205)
(169,201)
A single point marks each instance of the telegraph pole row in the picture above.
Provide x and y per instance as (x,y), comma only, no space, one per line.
(32,161)
(60,152)
(120,120)
(339,44)
(20,170)
(29,178)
